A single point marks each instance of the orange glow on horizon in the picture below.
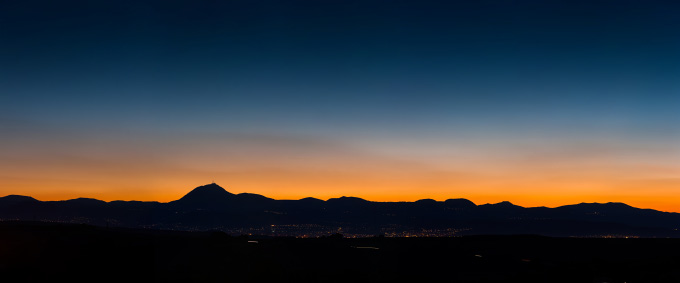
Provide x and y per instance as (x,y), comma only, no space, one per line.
(524,175)
(526,196)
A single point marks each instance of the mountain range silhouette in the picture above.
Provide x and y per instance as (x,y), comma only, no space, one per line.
(211,207)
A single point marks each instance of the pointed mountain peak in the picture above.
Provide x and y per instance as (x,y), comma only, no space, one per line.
(212,187)
(206,193)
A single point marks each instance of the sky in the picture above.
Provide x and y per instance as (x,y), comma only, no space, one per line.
(541,103)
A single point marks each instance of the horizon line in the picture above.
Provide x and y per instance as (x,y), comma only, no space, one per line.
(344,196)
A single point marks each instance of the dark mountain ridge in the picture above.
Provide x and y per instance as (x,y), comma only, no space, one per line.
(205,195)
(212,207)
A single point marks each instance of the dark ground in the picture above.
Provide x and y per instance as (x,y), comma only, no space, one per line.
(38,252)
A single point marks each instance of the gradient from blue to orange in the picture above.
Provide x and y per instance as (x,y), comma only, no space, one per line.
(535,102)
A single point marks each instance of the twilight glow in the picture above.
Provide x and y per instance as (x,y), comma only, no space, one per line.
(541,103)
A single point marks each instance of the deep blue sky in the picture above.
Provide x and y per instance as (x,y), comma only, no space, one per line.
(342,63)
(407,79)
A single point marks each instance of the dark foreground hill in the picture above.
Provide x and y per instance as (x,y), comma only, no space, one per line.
(40,252)
(211,207)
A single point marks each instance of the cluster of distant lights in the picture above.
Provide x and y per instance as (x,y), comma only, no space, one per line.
(611,236)
(309,230)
